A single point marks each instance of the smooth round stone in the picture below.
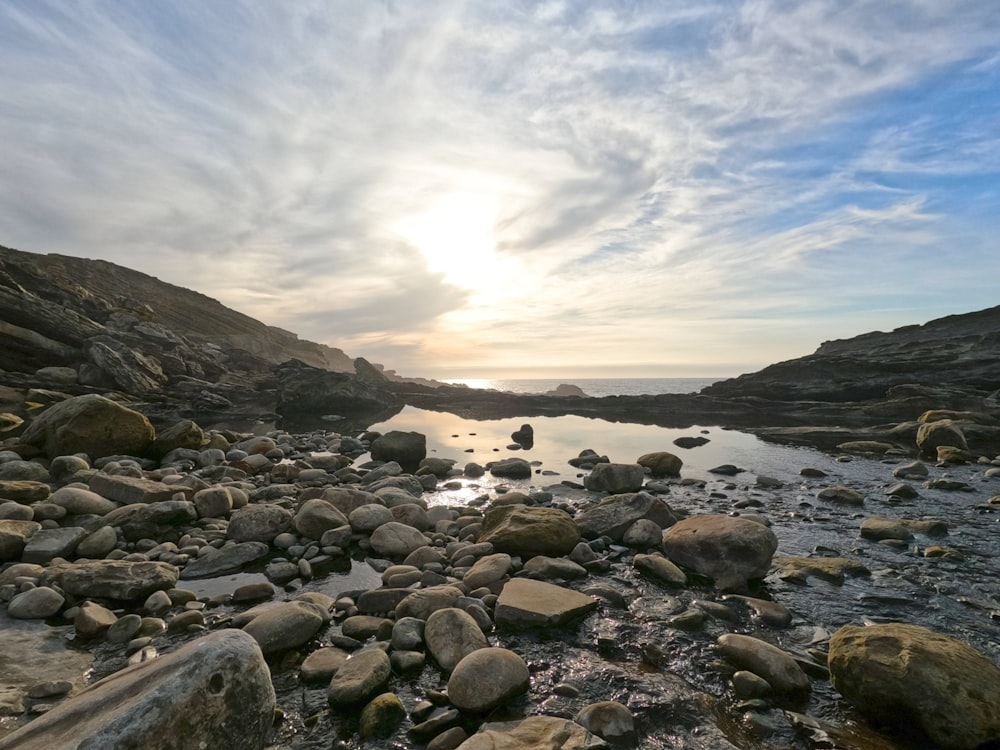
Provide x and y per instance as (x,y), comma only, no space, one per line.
(284,626)
(487,679)
(408,634)
(366,518)
(185,620)
(35,604)
(381,716)
(450,635)
(360,677)
(407,661)
(152,626)
(253,592)
(780,670)
(98,544)
(747,685)
(643,534)
(124,628)
(92,619)
(12,511)
(157,603)
(82,502)
(609,720)
(322,664)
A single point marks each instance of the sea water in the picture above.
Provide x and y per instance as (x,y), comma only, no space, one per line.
(597,387)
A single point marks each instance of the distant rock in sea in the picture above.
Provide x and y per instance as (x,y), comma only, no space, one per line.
(567,389)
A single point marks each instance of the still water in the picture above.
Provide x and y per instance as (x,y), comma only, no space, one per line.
(596,387)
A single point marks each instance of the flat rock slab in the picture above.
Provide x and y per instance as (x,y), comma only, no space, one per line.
(112,579)
(526,603)
(128,490)
(214,692)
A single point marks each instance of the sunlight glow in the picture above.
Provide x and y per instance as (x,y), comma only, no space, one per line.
(455,236)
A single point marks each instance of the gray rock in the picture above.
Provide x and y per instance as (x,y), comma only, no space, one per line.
(643,534)
(284,626)
(614,515)
(450,635)
(367,518)
(98,544)
(660,568)
(609,720)
(408,634)
(315,517)
(128,490)
(395,540)
(486,679)
(14,536)
(258,523)
(214,502)
(730,550)
(523,531)
(363,675)
(381,716)
(213,692)
(526,603)
(661,464)
(35,604)
(542,567)
(511,468)
(82,502)
(769,662)
(322,664)
(47,544)
(406,448)
(422,602)
(112,579)
(487,570)
(615,478)
(227,559)
(92,619)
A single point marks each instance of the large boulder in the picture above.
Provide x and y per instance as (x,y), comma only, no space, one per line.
(615,478)
(728,549)
(89,424)
(944,432)
(407,449)
(661,464)
(310,391)
(214,692)
(520,530)
(907,675)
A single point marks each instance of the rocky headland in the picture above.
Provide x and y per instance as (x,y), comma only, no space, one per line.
(166,582)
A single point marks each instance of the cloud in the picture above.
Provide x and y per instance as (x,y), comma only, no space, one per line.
(661,181)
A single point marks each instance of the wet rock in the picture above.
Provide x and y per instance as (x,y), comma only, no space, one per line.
(905,674)
(615,478)
(120,580)
(533,733)
(526,603)
(24,491)
(452,634)
(511,468)
(284,626)
(381,716)
(730,550)
(610,721)
(396,540)
(727,470)
(213,692)
(487,570)
(912,470)
(660,568)
(840,495)
(829,569)
(360,677)
(47,544)
(322,664)
(542,567)
(93,620)
(228,559)
(89,424)
(422,602)
(487,679)
(661,464)
(408,449)
(259,523)
(769,662)
(367,518)
(523,531)
(128,490)
(614,515)
(902,490)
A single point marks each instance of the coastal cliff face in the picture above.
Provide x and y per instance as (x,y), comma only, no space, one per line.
(957,351)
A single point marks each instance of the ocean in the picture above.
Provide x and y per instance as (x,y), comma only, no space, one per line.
(596,387)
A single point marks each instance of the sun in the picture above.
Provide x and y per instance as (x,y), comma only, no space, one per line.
(455,234)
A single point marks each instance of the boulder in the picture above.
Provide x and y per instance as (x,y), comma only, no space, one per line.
(452,634)
(89,424)
(487,679)
(931,435)
(213,692)
(396,540)
(615,514)
(407,449)
(511,468)
(615,478)
(730,550)
(361,676)
(259,523)
(316,516)
(661,464)
(906,675)
(121,580)
(609,720)
(533,733)
(524,531)
(284,626)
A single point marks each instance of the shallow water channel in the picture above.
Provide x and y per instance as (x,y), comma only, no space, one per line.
(666,675)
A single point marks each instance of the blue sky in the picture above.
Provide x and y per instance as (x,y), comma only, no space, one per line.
(474,189)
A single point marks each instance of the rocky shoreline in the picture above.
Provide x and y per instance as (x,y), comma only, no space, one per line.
(267,591)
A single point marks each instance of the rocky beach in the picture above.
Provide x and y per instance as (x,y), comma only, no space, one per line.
(168,581)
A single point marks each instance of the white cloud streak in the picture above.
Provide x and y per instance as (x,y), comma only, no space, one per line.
(727,183)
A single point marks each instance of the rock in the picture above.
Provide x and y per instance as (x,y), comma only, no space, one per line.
(526,603)
(381,716)
(487,570)
(421,603)
(305,391)
(840,495)
(661,464)
(14,535)
(769,662)
(908,675)
(322,664)
(182,434)
(213,692)
(24,491)
(614,515)
(47,544)
(866,446)
(510,468)
(643,534)
(395,540)
(284,626)
(315,517)
(407,449)
(79,501)
(691,442)
(35,604)
(912,470)
(217,502)
(228,559)
(615,478)
(369,517)
(902,490)
(542,567)
(730,550)
(112,579)
(610,721)
(92,619)
(129,490)
(360,677)
(878,529)
(829,569)
(89,424)
(259,523)
(727,470)
(450,635)
(660,568)
(523,531)
(487,679)
(930,435)
(533,733)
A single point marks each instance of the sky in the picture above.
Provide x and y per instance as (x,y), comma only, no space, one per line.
(470,188)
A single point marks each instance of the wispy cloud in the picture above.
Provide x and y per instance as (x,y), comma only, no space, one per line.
(461,184)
